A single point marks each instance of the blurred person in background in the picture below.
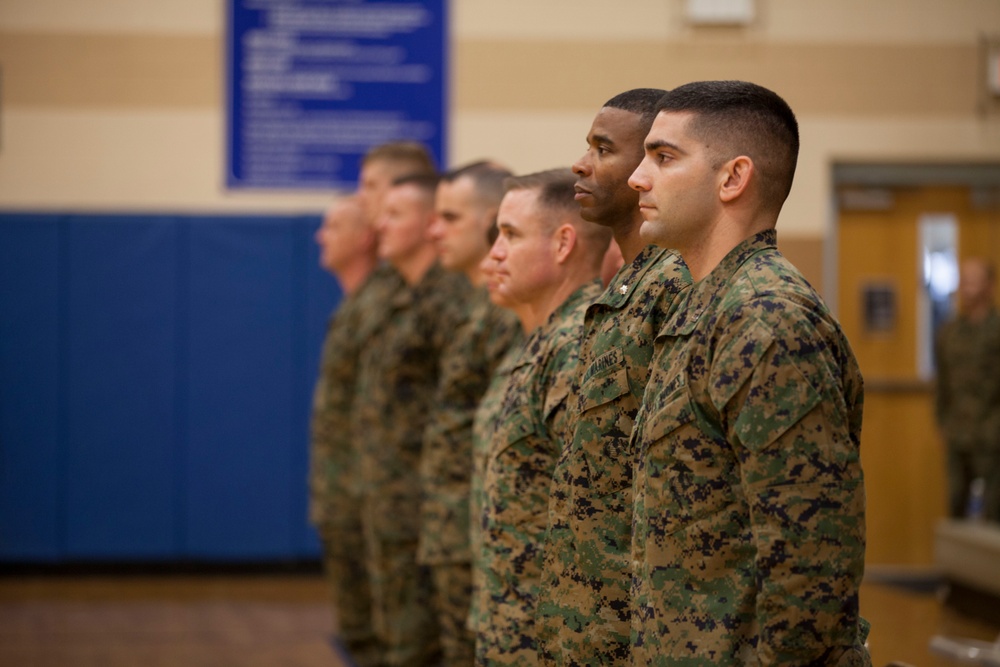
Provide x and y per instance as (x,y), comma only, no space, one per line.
(484,425)
(348,250)
(397,379)
(466,205)
(967,396)
(382,165)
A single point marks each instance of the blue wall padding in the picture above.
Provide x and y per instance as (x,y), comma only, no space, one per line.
(240,282)
(30,466)
(121,333)
(169,363)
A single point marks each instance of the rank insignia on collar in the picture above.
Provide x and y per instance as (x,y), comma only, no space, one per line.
(623,289)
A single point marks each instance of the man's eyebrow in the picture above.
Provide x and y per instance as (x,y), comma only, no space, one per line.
(660,143)
(601,139)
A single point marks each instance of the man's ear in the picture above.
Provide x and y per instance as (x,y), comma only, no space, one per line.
(736,177)
(564,239)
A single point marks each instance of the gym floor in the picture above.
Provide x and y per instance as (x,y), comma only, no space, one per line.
(285,620)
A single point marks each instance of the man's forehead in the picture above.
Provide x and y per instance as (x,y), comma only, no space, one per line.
(343,208)
(519,197)
(672,119)
(617,121)
(404,192)
(669,127)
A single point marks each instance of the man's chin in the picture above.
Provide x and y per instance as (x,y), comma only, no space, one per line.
(590,214)
(651,232)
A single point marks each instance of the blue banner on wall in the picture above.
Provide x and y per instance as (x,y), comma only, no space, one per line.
(313,84)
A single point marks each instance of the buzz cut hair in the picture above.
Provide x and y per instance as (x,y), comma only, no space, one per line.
(741,118)
(643,102)
(425,183)
(409,157)
(555,187)
(487,179)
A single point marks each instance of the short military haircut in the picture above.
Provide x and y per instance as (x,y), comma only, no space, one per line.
(741,118)
(487,178)
(426,183)
(410,157)
(644,102)
(555,187)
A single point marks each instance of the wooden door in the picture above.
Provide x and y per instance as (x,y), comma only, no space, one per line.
(901,449)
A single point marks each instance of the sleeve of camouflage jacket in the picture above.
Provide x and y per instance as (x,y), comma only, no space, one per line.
(446,464)
(777,382)
(330,448)
(472,352)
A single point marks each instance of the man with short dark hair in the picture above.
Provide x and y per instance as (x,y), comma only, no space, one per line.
(583,607)
(465,205)
(749,519)
(396,382)
(548,262)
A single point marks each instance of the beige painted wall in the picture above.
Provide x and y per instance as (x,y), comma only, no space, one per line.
(117,104)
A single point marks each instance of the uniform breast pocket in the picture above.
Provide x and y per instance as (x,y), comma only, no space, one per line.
(520,459)
(518,479)
(603,433)
(688,476)
(515,425)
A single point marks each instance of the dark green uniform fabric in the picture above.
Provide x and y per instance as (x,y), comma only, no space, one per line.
(525,447)
(335,503)
(583,607)
(398,376)
(967,406)
(472,352)
(486,423)
(749,528)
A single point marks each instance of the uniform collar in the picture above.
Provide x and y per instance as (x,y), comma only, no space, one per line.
(409,294)
(621,287)
(584,295)
(705,292)
(581,297)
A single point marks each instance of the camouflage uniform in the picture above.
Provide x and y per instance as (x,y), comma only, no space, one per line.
(486,423)
(335,505)
(749,529)
(967,404)
(583,606)
(523,453)
(471,355)
(396,383)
